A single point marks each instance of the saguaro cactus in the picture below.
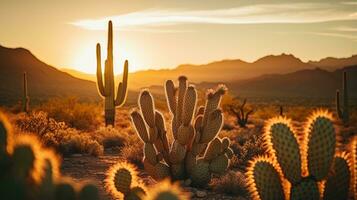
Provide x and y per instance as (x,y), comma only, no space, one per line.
(342,110)
(25,98)
(107,89)
(196,152)
(308,171)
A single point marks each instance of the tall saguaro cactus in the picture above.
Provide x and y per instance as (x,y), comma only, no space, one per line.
(107,89)
(25,98)
(343,112)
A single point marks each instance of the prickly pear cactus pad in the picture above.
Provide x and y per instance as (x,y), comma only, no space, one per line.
(281,142)
(121,177)
(338,182)
(264,181)
(305,190)
(353,158)
(319,144)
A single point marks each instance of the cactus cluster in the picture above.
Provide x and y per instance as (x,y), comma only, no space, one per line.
(25,97)
(309,167)
(195,152)
(107,89)
(30,171)
(122,182)
(343,110)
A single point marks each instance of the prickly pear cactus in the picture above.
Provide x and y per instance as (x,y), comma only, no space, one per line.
(107,89)
(304,167)
(30,171)
(194,134)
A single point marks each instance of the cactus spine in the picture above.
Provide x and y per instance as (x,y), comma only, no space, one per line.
(305,169)
(107,89)
(30,171)
(193,135)
(25,98)
(343,110)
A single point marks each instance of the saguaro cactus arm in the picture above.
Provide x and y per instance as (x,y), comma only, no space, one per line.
(100,83)
(123,87)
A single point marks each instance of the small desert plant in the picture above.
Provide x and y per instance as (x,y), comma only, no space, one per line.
(30,171)
(296,171)
(107,89)
(232,183)
(241,114)
(83,116)
(191,138)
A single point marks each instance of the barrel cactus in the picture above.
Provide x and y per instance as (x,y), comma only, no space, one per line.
(309,167)
(30,171)
(107,89)
(195,152)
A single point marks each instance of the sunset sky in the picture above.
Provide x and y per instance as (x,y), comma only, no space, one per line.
(166,33)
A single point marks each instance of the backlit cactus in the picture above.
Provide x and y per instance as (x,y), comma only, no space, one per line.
(195,152)
(122,182)
(25,97)
(343,110)
(107,89)
(30,171)
(309,168)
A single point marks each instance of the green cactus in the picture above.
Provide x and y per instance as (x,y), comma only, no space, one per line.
(25,98)
(193,133)
(337,184)
(301,169)
(107,89)
(30,171)
(89,192)
(343,111)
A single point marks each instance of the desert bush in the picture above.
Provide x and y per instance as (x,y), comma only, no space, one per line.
(58,135)
(232,183)
(133,153)
(109,137)
(83,116)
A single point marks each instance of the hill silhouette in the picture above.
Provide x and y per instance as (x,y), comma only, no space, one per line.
(229,70)
(44,81)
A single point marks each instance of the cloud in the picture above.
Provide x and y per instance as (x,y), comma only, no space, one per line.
(252,14)
(339,35)
(345,29)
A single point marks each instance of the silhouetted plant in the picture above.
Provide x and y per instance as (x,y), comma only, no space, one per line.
(107,89)
(25,98)
(241,114)
(343,110)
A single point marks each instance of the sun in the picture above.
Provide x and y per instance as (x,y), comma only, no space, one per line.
(85,60)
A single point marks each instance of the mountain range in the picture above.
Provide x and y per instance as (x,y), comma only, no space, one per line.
(273,76)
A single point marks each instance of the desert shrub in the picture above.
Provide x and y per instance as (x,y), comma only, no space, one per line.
(109,137)
(39,123)
(58,135)
(132,153)
(71,141)
(83,116)
(232,183)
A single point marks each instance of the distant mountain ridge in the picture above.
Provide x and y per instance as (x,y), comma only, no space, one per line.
(44,81)
(230,70)
(269,77)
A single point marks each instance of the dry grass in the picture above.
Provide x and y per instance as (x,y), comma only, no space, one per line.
(82,116)
(232,183)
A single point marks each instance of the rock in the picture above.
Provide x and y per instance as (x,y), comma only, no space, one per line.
(201,194)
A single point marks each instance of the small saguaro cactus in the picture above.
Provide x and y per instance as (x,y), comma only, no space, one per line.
(196,152)
(107,89)
(25,97)
(343,110)
(241,114)
(30,171)
(310,170)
